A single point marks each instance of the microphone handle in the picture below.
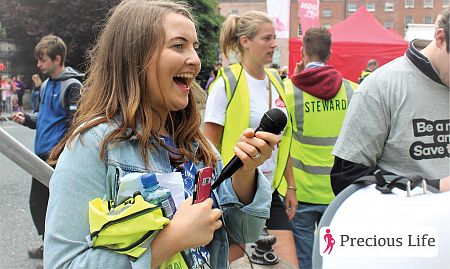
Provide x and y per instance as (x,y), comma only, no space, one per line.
(231,167)
(228,171)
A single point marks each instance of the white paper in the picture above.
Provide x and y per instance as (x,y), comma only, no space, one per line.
(174,182)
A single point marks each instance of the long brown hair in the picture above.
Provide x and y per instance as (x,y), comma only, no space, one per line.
(116,85)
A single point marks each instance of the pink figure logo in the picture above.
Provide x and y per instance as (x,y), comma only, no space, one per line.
(279,102)
(279,25)
(329,240)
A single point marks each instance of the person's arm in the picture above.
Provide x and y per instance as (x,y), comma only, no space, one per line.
(71,97)
(213,133)
(239,215)
(345,172)
(290,200)
(215,110)
(25,119)
(444,184)
(192,226)
(79,177)
(82,176)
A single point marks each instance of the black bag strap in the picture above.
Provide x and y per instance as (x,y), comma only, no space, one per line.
(386,185)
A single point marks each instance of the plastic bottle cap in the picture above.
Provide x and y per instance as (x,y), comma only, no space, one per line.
(149,180)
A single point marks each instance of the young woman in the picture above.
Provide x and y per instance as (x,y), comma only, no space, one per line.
(238,99)
(37,82)
(6,94)
(137,113)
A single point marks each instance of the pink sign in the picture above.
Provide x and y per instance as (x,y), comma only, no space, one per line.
(308,14)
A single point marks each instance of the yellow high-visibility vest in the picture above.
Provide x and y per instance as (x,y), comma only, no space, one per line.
(316,126)
(237,117)
(363,75)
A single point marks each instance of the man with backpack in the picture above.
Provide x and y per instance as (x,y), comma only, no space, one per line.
(58,102)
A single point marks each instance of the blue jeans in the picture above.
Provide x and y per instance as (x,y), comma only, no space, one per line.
(34,100)
(304,224)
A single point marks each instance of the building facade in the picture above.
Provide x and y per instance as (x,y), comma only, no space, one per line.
(393,14)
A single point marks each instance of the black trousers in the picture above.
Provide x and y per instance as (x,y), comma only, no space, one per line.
(20,97)
(38,203)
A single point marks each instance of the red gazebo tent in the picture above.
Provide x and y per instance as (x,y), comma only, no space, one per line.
(356,40)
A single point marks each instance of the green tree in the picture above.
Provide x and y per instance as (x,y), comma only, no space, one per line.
(78,22)
(2,31)
(208,29)
(26,21)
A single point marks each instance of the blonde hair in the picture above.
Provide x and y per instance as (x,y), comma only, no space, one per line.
(116,85)
(37,80)
(236,26)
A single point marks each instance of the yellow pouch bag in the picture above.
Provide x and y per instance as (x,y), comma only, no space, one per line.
(176,261)
(126,227)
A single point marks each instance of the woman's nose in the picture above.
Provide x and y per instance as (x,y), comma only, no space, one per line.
(194,60)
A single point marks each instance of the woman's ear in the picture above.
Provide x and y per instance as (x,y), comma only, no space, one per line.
(244,40)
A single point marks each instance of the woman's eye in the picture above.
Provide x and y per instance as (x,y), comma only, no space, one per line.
(178,46)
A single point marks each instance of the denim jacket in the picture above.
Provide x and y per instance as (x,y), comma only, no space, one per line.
(81,176)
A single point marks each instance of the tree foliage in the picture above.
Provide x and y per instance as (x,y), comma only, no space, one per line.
(26,21)
(78,22)
(208,29)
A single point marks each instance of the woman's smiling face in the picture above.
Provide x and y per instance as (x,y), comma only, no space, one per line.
(177,67)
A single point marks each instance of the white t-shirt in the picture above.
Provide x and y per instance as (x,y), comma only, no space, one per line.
(217,102)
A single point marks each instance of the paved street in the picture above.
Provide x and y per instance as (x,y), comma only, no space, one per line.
(17,229)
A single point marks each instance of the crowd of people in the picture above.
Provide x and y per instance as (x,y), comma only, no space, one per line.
(13,91)
(134,113)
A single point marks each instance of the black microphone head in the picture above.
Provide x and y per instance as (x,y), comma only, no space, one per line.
(273,121)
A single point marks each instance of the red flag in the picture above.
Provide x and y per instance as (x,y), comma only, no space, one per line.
(2,67)
(308,13)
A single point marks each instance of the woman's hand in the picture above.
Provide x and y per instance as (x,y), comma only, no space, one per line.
(196,223)
(253,150)
(192,226)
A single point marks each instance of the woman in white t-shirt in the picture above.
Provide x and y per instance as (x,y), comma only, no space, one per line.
(6,94)
(254,90)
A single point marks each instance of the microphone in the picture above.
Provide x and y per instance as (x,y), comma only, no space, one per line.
(273,121)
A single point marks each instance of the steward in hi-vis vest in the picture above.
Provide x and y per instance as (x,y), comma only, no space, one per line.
(237,116)
(318,99)
(363,75)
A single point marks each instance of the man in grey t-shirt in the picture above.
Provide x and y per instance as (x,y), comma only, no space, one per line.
(399,119)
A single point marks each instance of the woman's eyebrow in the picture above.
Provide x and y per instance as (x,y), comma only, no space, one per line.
(183,39)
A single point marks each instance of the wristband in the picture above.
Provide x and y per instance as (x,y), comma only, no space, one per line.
(292,188)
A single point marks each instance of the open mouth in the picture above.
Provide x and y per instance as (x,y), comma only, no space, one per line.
(183,79)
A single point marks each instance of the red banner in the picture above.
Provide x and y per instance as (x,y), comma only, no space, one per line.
(308,14)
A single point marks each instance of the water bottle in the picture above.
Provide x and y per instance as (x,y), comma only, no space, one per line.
(157,195)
